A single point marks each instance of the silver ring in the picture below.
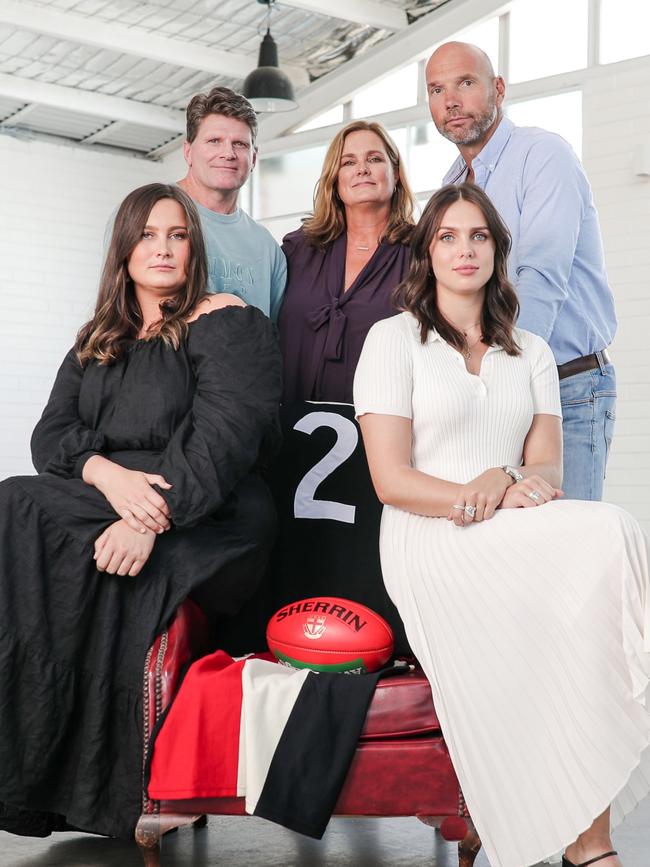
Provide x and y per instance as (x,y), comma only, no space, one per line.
(471,510)
(535,495)
(458,507)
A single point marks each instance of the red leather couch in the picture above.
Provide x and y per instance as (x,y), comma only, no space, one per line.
(401,766)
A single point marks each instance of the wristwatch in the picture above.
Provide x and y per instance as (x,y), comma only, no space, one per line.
(513,473)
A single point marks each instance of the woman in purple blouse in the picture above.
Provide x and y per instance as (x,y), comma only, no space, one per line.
(344,262)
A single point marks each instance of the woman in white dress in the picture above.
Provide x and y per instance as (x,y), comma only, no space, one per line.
(529,613)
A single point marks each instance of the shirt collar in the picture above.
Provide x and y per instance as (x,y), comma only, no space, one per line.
(434,336)
(490,154)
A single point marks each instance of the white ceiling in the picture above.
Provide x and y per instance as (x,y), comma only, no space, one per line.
(119,73)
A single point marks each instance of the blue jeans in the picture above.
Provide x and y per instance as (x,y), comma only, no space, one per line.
(588,415)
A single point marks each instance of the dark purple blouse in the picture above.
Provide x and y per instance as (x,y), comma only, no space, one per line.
(322,328)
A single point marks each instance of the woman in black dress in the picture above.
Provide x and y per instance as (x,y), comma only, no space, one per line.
(148,490)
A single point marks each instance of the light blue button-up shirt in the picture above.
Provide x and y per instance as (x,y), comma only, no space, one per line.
(539,188)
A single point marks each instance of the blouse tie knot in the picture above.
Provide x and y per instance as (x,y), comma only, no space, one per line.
(332,316)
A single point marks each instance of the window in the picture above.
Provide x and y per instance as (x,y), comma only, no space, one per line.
(285,184)
(547,38)
(420,205)
(394,91)
(326,118)
(430,157)
(244,199)
(399,136)
(561,114)
(484,35)
(280,226)
(624,29)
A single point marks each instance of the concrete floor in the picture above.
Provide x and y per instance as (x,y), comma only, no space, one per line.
(250,842)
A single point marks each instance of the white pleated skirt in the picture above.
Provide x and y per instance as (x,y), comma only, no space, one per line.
(534,631)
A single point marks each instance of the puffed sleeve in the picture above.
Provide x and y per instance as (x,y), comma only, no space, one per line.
(383,381)
(544,382)
(61,443)
(238,371)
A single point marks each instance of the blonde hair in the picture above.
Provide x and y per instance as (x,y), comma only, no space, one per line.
(328,220)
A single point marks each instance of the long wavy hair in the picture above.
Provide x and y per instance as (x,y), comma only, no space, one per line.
(417,292)
(117,320)
(328,220)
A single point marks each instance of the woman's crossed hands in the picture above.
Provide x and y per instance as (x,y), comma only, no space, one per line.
(130,493)
(120,550)
(479,499)
(532,491)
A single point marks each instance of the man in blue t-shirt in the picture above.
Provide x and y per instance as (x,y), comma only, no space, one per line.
(556,264)
(220,151)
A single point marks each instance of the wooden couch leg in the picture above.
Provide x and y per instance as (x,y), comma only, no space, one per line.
(468,848)
(151,827)
(147,836)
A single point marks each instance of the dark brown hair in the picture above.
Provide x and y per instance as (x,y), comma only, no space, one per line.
(220,100)
(118,319)
(417,292)
(328,220)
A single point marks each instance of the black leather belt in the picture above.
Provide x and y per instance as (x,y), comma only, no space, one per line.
(580,365)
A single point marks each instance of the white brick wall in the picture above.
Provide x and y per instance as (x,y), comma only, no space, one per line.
(54,203)
(616,118)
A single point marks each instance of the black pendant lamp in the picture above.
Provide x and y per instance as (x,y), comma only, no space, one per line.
(267,88)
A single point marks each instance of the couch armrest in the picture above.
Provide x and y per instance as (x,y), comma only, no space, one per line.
(185,639)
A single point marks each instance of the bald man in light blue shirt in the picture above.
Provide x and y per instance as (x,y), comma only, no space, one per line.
(556,264)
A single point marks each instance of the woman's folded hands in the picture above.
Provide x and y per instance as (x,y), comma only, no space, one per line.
(121,550)
(531,491)
(130,493)
(479,499)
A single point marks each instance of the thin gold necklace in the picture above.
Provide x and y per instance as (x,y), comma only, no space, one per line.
(363,247)
(467,353)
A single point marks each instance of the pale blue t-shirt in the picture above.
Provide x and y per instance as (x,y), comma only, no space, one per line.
(243,259)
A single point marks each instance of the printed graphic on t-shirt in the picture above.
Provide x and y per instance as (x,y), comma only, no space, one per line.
(228,275)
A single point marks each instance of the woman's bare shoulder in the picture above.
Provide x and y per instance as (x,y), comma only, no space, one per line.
(215,302)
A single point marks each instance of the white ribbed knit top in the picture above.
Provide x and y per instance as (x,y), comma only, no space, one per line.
(462,424)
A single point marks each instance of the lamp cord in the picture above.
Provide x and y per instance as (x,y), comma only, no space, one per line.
(268,4)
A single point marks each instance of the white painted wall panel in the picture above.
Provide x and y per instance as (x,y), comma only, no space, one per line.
(616,118)
(54,203)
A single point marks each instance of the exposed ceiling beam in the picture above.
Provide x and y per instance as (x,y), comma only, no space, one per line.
(360,11)
(342,83)
(101,134)
(167,148)
(87,102)
(20,114)
(131,40)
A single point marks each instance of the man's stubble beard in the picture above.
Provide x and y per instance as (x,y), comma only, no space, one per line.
(476,131)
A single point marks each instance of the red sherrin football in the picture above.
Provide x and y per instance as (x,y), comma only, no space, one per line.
(326,633)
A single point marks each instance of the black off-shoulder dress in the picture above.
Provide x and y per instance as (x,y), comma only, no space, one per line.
(72,640)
